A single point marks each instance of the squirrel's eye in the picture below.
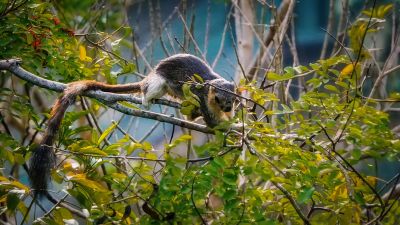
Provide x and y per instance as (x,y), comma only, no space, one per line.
(216,99)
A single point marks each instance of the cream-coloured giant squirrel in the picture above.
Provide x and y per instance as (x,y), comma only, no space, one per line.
(215,100)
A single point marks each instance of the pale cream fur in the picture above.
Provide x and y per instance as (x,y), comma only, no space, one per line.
(156,89)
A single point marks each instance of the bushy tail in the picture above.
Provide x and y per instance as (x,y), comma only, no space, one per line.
(81,86)
(43,158)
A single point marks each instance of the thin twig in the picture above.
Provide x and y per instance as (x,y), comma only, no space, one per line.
(196,46)
(292,201)
(331,20)
(193,202)
(283,10)
(221,44)
(207,28)
(56,205)
(137,158)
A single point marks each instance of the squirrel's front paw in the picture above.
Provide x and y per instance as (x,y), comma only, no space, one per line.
(146,103)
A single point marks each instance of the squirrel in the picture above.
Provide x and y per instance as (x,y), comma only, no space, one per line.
(215,98)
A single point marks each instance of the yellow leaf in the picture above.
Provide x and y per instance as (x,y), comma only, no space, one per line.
(319,157)
(132,147)
(147,146)
(151,156)
(118,176)
(279,180)
(242,89)
(357,214)
(346,71)
(82,52)
(3,199)
(383,10)
(340,191)
(7,183)
(325,171)
(185,137)
(371,180)
(67,166)
(92,150)
(19,185)
(82,180)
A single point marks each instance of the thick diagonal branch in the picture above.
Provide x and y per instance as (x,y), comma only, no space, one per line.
(107,98)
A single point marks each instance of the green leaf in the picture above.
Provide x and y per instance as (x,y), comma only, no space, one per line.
(315,66)
(147,146)
(198,78)
(394,95)
(127,68)
(229,194)
(92,150)
(331,88)
(301,69)
(106,133)
(289,70)
(276,77)
(286,109)
(12,201)
(96,213)
(359,198)
(132,147)
(183,138)
(180,160)
(151,156)
(219,161)
(305,194)
(356,153)
(230,177)
(65,214)
(273,76)
(129,105)
(29,38)
(187,108)
(114,149)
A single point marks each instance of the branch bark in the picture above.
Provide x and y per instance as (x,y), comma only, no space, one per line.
(393,193)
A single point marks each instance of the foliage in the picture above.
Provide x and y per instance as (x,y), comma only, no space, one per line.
(260,176)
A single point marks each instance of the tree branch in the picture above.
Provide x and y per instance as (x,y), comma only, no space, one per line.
(107,98)
(292,201)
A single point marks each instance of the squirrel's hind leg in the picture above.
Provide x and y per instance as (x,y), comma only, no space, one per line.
(155,87)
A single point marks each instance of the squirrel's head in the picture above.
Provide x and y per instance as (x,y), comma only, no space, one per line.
(221,94)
